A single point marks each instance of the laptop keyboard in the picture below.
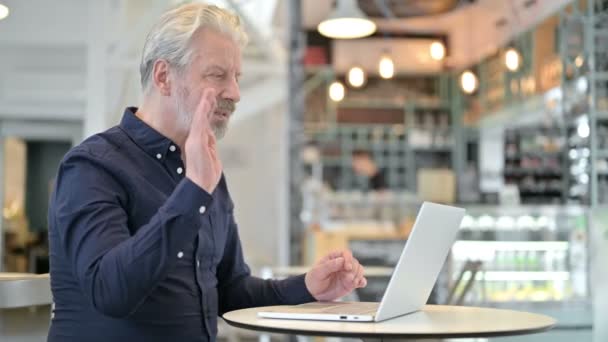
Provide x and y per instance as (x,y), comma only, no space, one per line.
(348,308)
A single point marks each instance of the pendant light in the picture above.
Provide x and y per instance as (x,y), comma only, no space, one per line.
(578,61)
(346,21)
(336,91)
(437,50)
(386,67)
(468,82)
(356,77)
(3,11)
(512,59)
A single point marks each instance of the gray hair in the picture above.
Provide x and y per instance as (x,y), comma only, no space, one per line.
(170,38)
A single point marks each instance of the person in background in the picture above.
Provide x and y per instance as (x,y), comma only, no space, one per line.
(364,165)
(144,244)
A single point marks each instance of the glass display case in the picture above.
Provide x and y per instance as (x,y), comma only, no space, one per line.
(532,258)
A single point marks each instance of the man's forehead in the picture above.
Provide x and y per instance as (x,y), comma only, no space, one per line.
(210,38)
(220,56)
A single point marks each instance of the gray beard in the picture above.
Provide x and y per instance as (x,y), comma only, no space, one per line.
(184,118)
(219,130)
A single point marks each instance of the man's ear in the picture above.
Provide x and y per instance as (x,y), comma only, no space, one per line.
(160,75)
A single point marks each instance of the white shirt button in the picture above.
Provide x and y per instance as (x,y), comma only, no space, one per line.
(202,209)
(179,170)
(158,156)
(172,148)
(180,254)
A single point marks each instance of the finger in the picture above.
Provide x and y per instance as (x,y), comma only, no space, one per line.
(355,273)
(211,139)
(210,97)
(362,282)
(330,256)
(329,267)
(359,275)
(200,121)
(348,260)
(207,106)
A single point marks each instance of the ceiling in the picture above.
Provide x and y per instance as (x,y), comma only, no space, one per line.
(473,31)
(45,59)
(406,8)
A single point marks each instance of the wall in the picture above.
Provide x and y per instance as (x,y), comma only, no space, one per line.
(254,158)
(14,187)
(42,161)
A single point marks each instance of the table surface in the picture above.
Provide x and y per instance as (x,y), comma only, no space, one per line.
(12,276)
(24,289)
(433,321)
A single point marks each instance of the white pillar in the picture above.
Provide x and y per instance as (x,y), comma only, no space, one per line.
(96,117)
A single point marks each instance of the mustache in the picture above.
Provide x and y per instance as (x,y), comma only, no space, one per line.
(226,105)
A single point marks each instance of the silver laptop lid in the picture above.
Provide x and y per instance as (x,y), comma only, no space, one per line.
(421,260)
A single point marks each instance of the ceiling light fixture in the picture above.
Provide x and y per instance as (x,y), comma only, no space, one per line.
(336,91)
(468,82)
(386,67)
(346,21)
(356,77)
(3,11)
(437,50)
(512,59)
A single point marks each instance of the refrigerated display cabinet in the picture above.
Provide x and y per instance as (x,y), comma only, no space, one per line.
(532,258)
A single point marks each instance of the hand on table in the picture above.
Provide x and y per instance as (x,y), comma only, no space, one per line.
(335,276)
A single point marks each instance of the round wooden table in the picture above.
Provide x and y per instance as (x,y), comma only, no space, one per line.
(24,289)
(433,321)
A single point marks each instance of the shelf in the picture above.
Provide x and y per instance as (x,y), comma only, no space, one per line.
(600,76)
(400,104)
(603,153)
(531,174)
(445,149)
(314,68)
(601,115)
(520,276)
(537,154)
(534,210)
(540,173)
(403,104)
(465,245)
(545,193)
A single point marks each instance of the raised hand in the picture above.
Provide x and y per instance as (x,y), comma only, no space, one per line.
(203,167)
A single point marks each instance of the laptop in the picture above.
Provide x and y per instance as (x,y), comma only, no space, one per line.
(412,280)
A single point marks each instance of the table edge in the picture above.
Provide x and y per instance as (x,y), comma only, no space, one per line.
(397,335)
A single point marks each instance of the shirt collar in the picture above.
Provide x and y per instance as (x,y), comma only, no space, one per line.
(146,137)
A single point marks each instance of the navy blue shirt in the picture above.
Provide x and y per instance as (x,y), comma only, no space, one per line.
(139,252)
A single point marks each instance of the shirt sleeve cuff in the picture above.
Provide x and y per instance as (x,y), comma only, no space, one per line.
(296,291)
(188,199)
